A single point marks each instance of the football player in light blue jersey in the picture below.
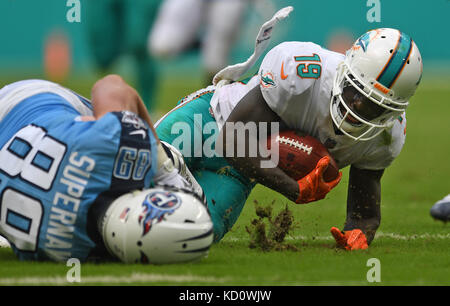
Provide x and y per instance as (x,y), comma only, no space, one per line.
(64,160)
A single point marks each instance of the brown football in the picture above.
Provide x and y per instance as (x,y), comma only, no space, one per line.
(299,154)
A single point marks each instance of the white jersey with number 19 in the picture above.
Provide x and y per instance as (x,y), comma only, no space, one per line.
(296,80)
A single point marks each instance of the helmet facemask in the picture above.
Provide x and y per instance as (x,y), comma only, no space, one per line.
(357,110)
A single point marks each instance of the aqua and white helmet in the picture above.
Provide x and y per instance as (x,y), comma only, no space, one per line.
(374,83)
(158,226)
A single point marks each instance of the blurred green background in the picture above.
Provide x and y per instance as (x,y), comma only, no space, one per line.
(27,27)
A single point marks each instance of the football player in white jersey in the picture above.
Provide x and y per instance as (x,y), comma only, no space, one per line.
(179,23)
(354,104)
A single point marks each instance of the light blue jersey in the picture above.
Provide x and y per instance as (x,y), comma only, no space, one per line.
(54,168)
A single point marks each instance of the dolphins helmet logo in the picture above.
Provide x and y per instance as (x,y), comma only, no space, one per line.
(366,38)
(364,41)
(155,206)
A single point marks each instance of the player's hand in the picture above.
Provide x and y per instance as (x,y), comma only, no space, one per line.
(312,187)
(350,240)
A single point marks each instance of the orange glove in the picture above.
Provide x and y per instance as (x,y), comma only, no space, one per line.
(312,187)
(350,240)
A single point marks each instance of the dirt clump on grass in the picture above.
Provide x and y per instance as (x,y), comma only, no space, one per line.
(271,238)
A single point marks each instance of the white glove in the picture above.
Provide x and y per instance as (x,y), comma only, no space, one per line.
(176,173)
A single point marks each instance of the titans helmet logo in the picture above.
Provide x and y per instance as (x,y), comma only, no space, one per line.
(155,206)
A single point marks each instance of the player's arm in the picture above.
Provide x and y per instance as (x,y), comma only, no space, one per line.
(363,201)
(113,94)
(363,209)
(253,108)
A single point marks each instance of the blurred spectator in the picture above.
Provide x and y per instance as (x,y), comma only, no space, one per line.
(57,56)
(180,23)
(340,41)
(119,27)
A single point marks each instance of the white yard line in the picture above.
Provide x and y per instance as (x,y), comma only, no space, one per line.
(412,237)
(4,243)
(112,279)
(153,278)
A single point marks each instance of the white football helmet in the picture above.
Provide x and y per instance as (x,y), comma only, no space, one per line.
(374,83)
(158,226)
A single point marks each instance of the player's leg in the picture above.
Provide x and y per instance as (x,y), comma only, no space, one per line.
(192,129)
(139,18)
(147,80)
(226,196)
(183,126)
(104,35)
(176,27)
(224,20)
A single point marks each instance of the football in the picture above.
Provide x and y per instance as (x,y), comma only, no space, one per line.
(299,154)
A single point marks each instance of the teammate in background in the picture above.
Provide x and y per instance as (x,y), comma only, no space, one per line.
(179,23)
(63,163)
(120,27)
(354,104)
(441,209)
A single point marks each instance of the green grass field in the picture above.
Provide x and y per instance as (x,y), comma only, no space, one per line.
(412,248)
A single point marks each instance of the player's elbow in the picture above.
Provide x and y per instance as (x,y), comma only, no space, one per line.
(111,80)
(112,93)
(114,85)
